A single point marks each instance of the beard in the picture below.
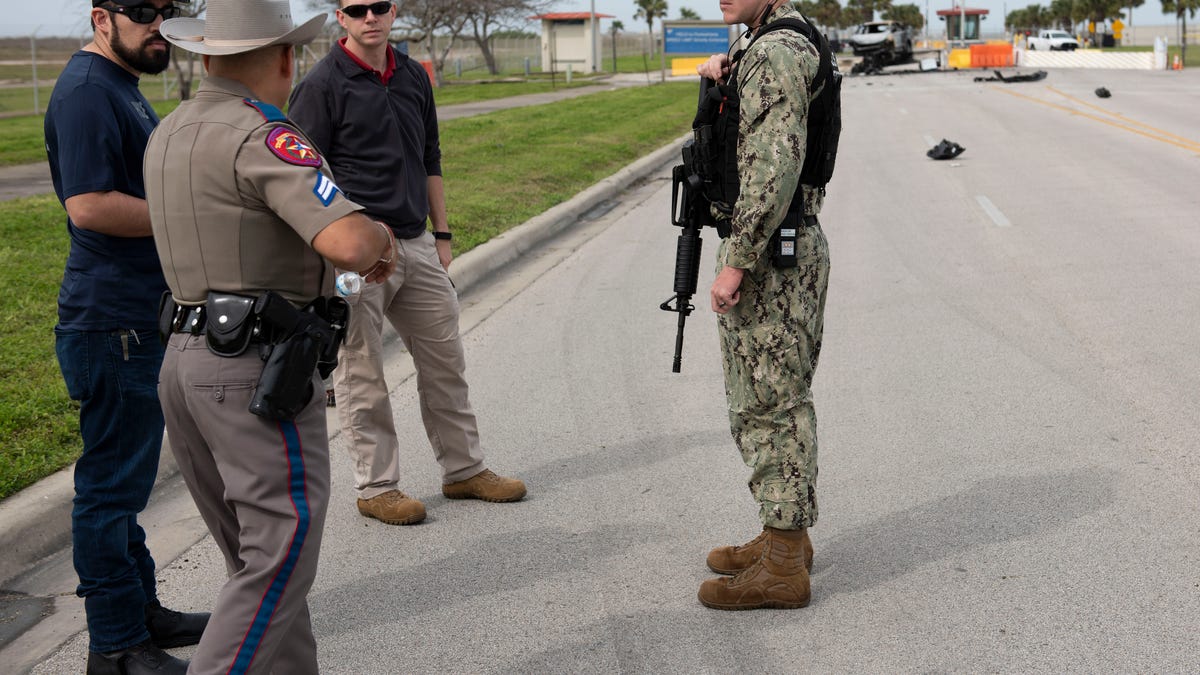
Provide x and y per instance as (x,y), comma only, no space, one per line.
(141,59)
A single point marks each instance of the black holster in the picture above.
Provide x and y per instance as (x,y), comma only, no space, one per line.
(303,341)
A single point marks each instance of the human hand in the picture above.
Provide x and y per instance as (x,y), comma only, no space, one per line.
(715,68)
(725,293)
(445,256)
(383,268)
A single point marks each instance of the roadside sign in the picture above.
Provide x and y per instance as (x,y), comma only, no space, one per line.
(696,39)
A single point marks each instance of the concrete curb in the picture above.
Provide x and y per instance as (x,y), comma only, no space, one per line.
(36,522)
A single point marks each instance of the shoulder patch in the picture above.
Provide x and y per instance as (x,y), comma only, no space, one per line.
(325,189)
(292,148)
(269,112)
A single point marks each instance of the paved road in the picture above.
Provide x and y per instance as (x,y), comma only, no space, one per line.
(34,179)
(1009,475)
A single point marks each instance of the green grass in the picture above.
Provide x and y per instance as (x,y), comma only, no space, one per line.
(453,93)
(501,169)
(39,426)
(548,153)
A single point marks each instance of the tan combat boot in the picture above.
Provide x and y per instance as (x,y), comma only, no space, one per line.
(393,507)
(734,559)
(777,580)
(487,486)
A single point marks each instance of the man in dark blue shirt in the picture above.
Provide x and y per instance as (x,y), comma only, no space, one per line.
(96,127)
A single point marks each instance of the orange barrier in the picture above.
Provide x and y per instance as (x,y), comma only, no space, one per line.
(429,71)
(991,56)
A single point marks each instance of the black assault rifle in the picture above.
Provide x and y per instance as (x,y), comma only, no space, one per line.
(689,210)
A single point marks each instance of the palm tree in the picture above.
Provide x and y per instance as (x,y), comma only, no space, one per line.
(616,27)
(688,14)
(1182,9)
(649,10)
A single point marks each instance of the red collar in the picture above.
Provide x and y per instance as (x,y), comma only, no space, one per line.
(385,75)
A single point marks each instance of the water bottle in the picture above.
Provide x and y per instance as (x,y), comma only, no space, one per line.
(348,284)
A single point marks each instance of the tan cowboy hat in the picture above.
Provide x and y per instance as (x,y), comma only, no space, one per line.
(236,26)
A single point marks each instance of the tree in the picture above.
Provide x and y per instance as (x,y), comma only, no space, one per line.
(484,16)
(1182,9)
(183,62)
(421,20)
(688,14)
(864,10)
(616,27)
(1062,14)
(907,14)
(827,13)
(649,10)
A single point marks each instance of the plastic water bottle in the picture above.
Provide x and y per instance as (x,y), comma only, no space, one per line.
(348,284)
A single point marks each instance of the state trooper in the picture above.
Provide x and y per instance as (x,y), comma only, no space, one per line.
(770,314)
(249,225)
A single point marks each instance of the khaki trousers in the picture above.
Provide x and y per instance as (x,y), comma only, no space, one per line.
(422,305)
(262,488)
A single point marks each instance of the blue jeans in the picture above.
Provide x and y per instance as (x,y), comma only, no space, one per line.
(114,376)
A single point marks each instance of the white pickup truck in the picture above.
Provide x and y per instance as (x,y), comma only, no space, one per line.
(1051,40)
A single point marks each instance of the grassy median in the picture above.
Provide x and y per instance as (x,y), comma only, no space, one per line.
(501,169)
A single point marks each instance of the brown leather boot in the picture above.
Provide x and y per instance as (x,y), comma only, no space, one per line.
(393,507)
(734,559)
(487,486)
(777,580)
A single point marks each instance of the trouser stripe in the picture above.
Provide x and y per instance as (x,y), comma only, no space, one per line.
(270,600)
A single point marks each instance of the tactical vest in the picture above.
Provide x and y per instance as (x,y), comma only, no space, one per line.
(715,128)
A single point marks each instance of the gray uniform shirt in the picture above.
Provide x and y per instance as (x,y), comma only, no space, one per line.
(236,196)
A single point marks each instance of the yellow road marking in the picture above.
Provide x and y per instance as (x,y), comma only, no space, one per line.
(1123,118)
(1156,134)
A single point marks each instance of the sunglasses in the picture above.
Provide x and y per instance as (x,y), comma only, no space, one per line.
(359,11)
(146,13)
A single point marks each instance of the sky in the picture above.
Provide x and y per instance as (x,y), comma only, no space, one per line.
(69,17)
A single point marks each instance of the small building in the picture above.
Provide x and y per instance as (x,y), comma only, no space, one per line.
(962,23)
(567,40)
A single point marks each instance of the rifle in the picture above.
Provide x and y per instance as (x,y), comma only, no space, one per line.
(690,211)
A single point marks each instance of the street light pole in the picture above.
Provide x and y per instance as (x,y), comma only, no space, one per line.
(595,38)
(33,54)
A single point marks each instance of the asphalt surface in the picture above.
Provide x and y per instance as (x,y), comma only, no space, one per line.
(1009,475)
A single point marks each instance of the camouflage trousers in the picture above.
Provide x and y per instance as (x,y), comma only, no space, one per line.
(770,342)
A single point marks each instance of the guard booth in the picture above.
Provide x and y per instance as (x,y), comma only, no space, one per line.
(963,24)
(567,40)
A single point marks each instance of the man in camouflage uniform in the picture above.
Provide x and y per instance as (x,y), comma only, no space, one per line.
(770,318)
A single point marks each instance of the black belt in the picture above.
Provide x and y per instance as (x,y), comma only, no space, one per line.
(194,319)
(805,221)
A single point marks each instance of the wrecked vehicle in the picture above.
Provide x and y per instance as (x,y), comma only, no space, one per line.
(883,42)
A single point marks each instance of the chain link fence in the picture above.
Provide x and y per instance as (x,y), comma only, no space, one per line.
(30,65)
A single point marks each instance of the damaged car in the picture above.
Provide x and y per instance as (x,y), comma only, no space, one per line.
(883,42)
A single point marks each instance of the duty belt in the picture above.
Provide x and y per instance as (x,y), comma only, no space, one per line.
(804,221)
(189,319)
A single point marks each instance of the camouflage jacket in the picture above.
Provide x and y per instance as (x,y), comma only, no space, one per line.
(773,80)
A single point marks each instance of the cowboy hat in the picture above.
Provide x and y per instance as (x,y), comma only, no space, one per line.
(236,26)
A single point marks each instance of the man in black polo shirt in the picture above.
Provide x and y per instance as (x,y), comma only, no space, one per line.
(369,109)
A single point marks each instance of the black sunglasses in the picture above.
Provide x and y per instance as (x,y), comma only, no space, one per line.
(359,11)
(146,13)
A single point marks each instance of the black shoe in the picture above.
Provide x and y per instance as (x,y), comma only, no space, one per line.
(169,628)
(141,659)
